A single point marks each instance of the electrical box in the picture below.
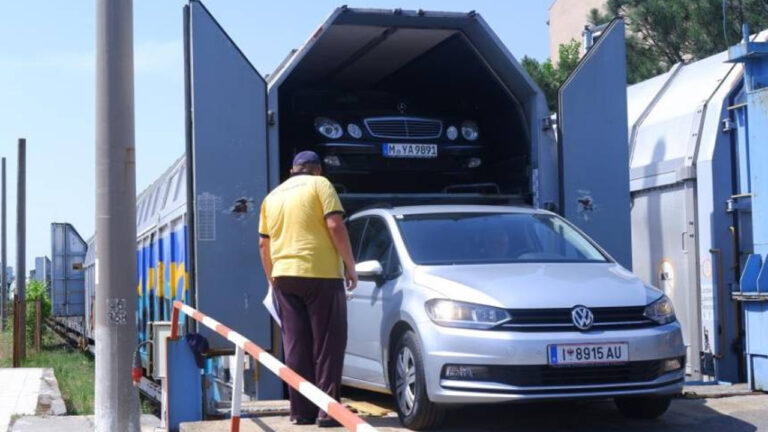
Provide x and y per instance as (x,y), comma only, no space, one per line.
(158,331)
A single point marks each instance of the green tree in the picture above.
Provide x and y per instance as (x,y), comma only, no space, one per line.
(550,77)
(664,32)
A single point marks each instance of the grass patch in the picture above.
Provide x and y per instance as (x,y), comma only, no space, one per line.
(72,367)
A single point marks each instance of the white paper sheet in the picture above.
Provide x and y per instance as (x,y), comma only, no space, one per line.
(271,304)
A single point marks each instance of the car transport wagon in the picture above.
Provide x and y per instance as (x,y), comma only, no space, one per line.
(407,107)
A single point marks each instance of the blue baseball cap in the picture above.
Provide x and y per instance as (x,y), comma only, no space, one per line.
(306,157)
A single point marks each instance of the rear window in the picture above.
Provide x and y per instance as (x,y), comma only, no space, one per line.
(488,238)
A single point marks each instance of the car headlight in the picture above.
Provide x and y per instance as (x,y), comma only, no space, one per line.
(354,131)
(452,133)
(470,131)
(328,128)
(661,311)
(332,161)
(450,313)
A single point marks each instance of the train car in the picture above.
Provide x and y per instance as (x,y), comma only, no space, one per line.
(197,224)
(161,247)
(161,260)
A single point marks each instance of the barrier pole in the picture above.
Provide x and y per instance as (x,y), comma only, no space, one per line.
(335,409)
(174,322)
(237,390)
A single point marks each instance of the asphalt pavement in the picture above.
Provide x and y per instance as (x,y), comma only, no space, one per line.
(744,413)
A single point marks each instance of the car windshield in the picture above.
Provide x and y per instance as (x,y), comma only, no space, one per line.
(489,238)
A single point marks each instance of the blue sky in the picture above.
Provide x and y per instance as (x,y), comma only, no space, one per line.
(47,86)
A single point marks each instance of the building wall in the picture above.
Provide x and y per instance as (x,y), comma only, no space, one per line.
(567,19)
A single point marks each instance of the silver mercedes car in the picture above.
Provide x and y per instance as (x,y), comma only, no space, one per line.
(466,304)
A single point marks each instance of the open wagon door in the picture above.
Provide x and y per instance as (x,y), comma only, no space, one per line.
(68,278)
(593,145)
(226,104)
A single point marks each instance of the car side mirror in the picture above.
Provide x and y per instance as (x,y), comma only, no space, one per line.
(370,270)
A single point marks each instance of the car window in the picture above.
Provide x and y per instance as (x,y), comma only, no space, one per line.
(355,229)
(377,244)
(486,238)
(556,238)
(394,267)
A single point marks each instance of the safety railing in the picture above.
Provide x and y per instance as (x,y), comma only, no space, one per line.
(326,403)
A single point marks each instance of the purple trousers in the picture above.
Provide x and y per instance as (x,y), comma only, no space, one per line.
(313,312)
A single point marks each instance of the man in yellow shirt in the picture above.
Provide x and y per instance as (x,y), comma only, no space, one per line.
(306,254)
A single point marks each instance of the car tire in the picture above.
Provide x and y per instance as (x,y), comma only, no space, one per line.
(646,407)
(409,386)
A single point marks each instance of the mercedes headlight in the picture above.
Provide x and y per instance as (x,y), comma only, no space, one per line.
(469,131)
(661,311)
(450,313)
(452,133)
(354,131)
(328,128)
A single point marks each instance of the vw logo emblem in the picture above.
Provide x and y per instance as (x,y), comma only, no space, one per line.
(582,317)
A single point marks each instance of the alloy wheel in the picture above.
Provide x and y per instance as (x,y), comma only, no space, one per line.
(405,380)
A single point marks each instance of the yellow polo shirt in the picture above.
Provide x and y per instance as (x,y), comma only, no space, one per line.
(293,218)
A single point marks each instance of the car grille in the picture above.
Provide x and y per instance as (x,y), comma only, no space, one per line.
(544,375)
(560,319)
(404,127)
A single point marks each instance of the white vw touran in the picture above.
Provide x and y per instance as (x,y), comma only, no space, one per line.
(465,304)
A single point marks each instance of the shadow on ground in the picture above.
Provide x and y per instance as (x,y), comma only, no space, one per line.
(733,414)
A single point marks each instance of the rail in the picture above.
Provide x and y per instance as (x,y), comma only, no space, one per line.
(334,409)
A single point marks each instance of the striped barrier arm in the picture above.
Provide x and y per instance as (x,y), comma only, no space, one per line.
(326,403)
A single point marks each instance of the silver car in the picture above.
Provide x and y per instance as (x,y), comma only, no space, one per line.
(466,304)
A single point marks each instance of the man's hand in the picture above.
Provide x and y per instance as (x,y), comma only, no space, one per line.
(266,257)
(340,238)
(351,278)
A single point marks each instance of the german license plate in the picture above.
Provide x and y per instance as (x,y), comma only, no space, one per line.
(591,353)
(421,151)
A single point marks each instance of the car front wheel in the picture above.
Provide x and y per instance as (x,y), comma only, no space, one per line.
(645,407)
(409,386)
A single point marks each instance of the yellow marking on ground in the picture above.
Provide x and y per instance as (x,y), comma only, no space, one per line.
(368,409)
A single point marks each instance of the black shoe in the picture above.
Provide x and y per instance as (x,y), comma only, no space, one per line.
(327,422)
(302,421)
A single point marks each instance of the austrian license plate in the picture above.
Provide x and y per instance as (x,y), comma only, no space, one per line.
(421,151)
(592,353)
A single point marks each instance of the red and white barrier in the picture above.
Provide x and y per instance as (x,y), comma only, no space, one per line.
(334,409)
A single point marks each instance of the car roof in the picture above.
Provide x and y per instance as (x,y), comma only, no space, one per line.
(447,208)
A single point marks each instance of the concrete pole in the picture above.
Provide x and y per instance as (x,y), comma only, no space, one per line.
(116,399)
(21,245)
(3,263)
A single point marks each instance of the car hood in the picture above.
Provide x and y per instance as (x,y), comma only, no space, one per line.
(538,285)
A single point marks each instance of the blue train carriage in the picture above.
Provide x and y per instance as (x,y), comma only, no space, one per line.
(162,267)
(69,289)
(165,270)
(162,275)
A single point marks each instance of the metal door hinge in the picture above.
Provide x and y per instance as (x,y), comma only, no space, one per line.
(728,125)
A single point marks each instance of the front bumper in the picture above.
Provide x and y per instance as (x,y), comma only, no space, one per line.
(366,157)
(444,346)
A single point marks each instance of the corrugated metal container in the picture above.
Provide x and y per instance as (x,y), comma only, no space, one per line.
(684,237)
(68,285)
